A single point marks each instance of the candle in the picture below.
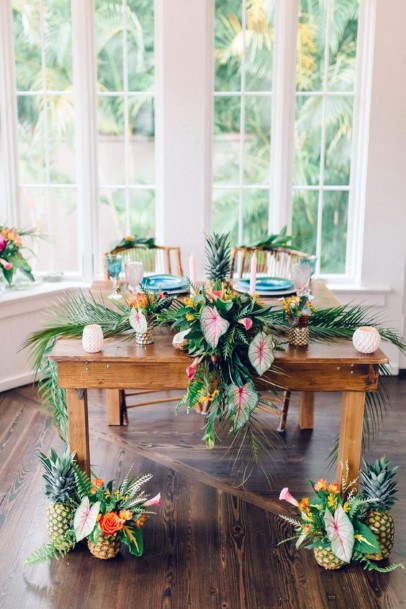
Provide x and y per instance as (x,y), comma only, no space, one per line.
(192,269)
(92,338)
(253,275)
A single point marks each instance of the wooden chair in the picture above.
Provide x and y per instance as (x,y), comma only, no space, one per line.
(158,260)
(272,263)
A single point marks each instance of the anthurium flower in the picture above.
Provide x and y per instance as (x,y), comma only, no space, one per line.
(5,264)
(246,322)
(154,501)
(192,369)
(218,293)
(286,496)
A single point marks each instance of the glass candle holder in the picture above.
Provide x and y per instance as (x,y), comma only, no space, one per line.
(114,268)
(92,338)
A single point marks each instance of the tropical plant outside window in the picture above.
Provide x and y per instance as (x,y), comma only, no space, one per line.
(325,85)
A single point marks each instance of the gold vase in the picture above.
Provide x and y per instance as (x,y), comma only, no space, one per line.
(106,547)
(145,338)
(298,336)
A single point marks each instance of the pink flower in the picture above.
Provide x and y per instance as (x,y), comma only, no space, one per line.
(192,369)
(154,501)
(217,293)
(5,264)
(246,322)
(286,496)
(3,242)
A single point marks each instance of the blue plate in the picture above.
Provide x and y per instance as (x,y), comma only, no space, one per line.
(269,284)
(164,283)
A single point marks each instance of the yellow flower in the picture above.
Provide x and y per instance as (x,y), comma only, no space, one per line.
(332,501)
(117,494)
(321,485)
(346,507)
(333,488)
(304,504)
(190,317)
(189,302)
(107,494)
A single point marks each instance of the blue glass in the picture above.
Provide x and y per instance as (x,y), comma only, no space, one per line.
(114,268)
(311,261)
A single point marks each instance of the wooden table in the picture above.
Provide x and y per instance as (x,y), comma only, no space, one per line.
(158,367)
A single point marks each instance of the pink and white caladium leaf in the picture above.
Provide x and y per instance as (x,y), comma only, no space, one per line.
(138,321)
(260,352)
(241,401)
(213,325)
(340,533)
(85,518)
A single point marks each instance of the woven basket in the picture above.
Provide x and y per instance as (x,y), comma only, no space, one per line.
(145,338)
(298,337)
(106,547)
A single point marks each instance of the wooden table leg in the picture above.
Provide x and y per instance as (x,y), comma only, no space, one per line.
(78,427)
(306,410)
(350,441)
(115,406)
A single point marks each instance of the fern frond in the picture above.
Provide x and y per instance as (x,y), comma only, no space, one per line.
(369,565)
(83,482)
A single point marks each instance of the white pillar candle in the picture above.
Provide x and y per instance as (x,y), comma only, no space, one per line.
(253,274)
(92,338)
(366,339)
(192,269)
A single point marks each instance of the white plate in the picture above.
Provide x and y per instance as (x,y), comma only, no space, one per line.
(269,294)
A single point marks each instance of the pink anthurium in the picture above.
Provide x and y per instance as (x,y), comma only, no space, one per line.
(192,369)
(154,501)
(286,496)
(5,264)
(260,352)
(213,325)
(217,293)
(246,322)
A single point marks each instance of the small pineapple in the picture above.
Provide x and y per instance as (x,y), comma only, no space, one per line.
(60,488)
(218,253)
(106,547)
(325,558)
(378,484)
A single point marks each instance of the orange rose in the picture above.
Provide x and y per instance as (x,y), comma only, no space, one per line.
(110,523)
(125,514)
(98,482)
(138,301)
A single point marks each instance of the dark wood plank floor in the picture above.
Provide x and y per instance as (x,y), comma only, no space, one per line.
(207,548)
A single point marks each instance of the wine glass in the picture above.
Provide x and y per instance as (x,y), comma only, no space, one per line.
(300,277)
(114,267)
(134,272)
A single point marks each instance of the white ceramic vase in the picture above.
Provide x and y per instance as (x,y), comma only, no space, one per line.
(366,339)
(92,338)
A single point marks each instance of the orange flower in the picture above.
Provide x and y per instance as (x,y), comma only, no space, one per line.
(110,523)
(139,301)
(98,482)
(141,521)
(12,235)
(333,488)
(128,238)
(321,485)
(93,491)
(125,515)
(304,504)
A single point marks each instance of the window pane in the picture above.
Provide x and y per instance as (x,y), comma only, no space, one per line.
(255,215)
(306,163)
(339,110)
(225,213)
(334,232)
(109,22)
(140,43)
(304,220)
(259,39)
(142,202)
(142,145)
(226,145)
(343,45)
(27,45)
(31,140)
(111,139)
(228,45)
(311,44)
(257,148)
(53,212)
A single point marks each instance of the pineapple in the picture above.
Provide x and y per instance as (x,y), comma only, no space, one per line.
(60,487)
(218,257)
(325,558)
(379,484)
(105,547)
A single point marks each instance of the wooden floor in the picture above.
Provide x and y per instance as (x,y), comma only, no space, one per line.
(210,546)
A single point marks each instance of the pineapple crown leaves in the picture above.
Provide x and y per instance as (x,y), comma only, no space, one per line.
(218,254)
(59,476)
(378,483)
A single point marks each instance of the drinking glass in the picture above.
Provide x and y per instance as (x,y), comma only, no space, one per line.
(301,277)
(114,267)
(134,272)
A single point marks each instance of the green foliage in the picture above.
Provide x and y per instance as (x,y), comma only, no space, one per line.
(59,476)
(51,551)
(83,482)
(369,565)
(130,241)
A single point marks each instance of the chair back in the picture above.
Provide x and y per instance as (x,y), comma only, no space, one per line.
(157,260)
(273,263)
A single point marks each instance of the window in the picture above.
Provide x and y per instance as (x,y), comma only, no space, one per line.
(325,84)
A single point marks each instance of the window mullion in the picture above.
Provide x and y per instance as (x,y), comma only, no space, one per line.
(283,113)
(9,182)
(84,79)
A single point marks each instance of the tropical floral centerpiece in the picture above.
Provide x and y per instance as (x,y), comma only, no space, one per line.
(11,258)
(297,311)
(339,527)
(144,309)
(109,517)
(130,241)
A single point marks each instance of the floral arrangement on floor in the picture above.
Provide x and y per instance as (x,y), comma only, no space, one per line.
(130,241)
(229,338)
(346,526)
(11,258)
(81,508)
